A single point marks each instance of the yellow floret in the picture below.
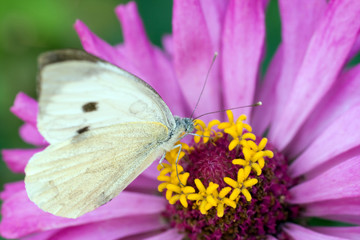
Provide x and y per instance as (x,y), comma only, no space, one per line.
(241,184)
(205,131)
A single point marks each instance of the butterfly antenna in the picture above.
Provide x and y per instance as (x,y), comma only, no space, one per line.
(259,103)
(206,79)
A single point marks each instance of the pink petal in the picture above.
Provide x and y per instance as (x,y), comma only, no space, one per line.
(354,219)
(262,115)
(19,209)
(16,159)
(356,48)
(136,42)
(152,172)
(169,234)
(297,232)
(343,232)
(31,135)
(214,12)
(167,42)
(41,235)
(299,20)
(341,136)
(325,56)
(112,229)
(144,184)
(193,55)
(343,206)
(25,108)
(242,44)
(341,97)
(98,47)
(154,67)
(271,238)
(341,181)
(10,189)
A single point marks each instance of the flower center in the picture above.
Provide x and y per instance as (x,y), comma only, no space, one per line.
(230,185)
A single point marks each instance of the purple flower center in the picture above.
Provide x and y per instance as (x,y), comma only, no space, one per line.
(255,219)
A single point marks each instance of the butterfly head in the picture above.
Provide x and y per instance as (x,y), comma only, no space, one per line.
(185,125)
(188,125)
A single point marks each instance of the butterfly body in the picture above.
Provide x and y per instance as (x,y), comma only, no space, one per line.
(104,126)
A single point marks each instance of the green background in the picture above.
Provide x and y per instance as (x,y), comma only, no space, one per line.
(28,28)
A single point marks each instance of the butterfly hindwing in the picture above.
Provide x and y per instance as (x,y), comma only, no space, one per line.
(74,177)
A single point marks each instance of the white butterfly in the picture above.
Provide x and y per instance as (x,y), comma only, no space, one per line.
(104,125)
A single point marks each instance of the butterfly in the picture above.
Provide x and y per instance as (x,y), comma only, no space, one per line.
(104,125)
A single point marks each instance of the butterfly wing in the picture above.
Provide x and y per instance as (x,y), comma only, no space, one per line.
(104,126)
(79,91)
(72,178)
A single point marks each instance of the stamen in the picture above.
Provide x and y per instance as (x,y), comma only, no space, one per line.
(205,198)
(203,130)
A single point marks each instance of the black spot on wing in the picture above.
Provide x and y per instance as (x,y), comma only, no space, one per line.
(82,130)
(89,107)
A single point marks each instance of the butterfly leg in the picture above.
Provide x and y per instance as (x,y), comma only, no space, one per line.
(161,160)
(194,134)
(176,162)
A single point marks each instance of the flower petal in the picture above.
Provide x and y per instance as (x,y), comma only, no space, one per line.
(343,206)
(169,234)
(214,12)
(143,184)
(25,108)
(11,188)
(152,65)
(343,232)
(193,55)
(342,96)
(41,235)
(341,136)
(242,44)
(31,135)
(168,44)
(98,47)
(113,228)
(94,45)
(356,48)
(262,115)
(341,181)
(354,219)
(19,209)
(152,172)
(298,23)
(16,159)
(297,232)
(325,56)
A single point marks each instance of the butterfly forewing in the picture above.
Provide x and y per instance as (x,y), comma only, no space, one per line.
(77,93)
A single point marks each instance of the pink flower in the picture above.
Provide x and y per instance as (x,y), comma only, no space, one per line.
(311,106)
